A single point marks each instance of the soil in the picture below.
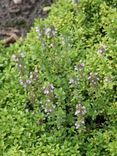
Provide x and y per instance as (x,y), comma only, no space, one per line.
(18,18)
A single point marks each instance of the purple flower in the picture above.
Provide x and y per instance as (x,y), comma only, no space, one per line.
(102,49)
(28,81)
(79,67)
(82,65)
(49,108)
(47,31)
(34,75)
(80,110)
(50,31)
(93,78)
(48,89)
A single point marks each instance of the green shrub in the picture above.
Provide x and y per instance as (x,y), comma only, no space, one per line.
(58,86)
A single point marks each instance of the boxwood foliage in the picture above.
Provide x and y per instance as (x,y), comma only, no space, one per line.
(58,86)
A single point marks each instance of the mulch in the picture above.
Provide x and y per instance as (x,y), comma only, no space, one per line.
(18,18)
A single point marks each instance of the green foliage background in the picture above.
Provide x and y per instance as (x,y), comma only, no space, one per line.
(85,33)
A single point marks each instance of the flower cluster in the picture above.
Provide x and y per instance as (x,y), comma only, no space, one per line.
(38,31)
(93,78)
(17,57)
(63,42)
(108,79)
(34,75)
(79,124)
(79,67)
(26,81)
(78,74)
(19,60)
(72,81)
(48,89)
(80,112)
(102,49)
(49,107)
(49,32)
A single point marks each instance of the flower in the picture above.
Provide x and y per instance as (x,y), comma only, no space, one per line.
(76,68)
(48,89)
(80,110)
(22,54)
(50,31)
(79,67)
(77,125)
(28,81)
(20,65)
(37,29)
(31,75)
(13,57)
(93,78)
(21,82)
(48,100)
(77,112)
(47,31)
(49,107)
(102,49)
(107,79)
(72,81)
(82,122)
(18,57)
(34,75)
(53,31)
(51,86)
(62,41)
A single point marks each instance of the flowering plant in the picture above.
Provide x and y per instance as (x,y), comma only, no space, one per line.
(58,86)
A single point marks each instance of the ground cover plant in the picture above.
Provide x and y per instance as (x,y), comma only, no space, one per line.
(58,86)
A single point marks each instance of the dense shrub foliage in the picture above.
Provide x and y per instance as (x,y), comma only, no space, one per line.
(58,86)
